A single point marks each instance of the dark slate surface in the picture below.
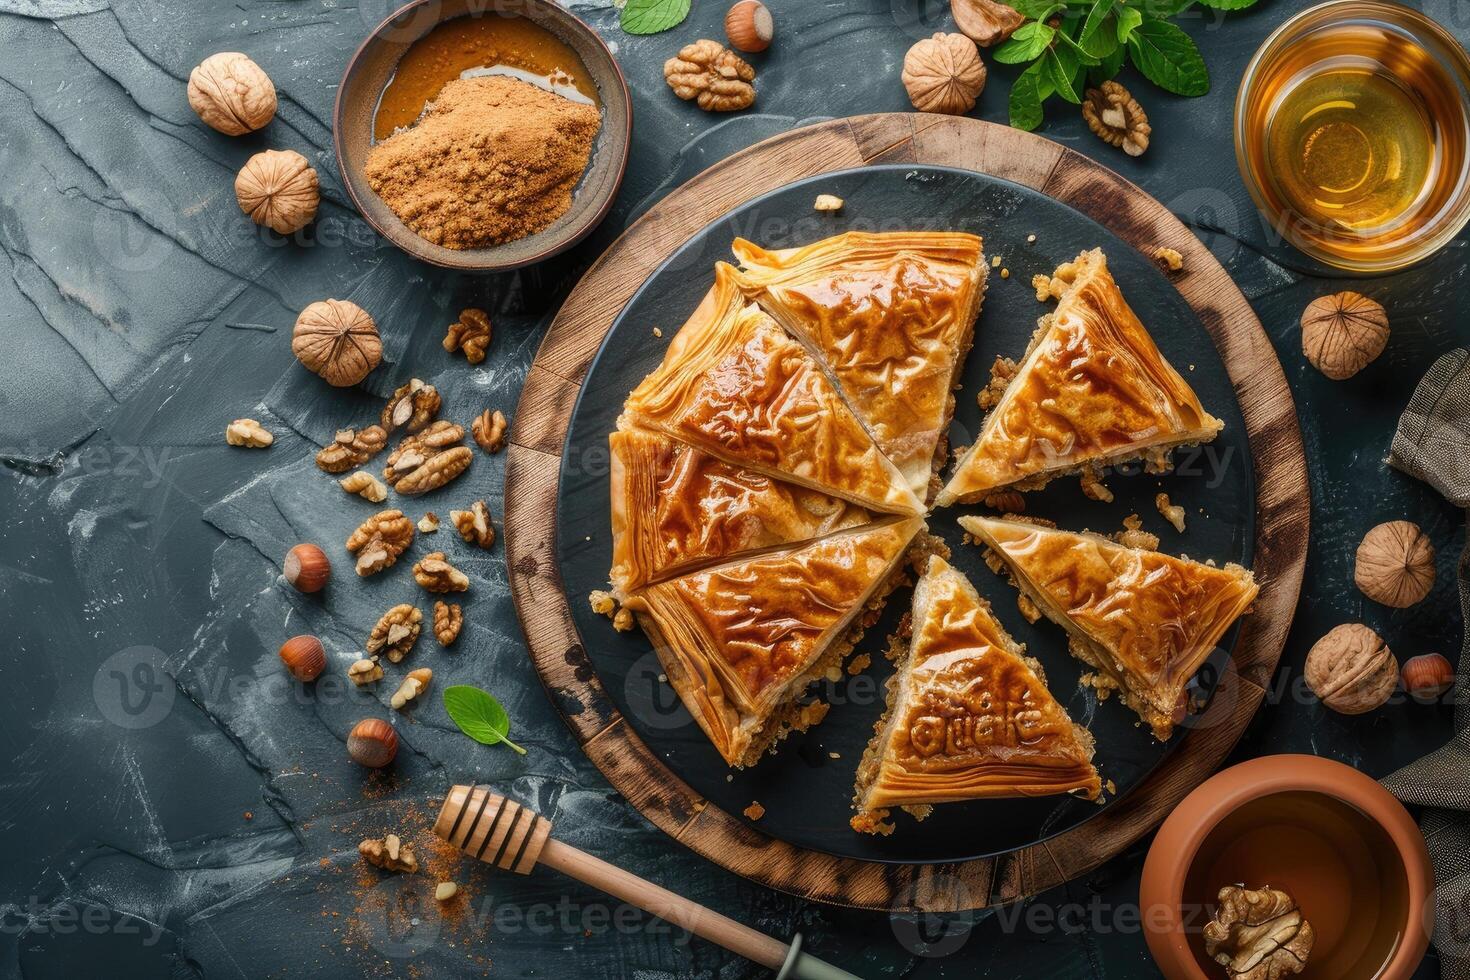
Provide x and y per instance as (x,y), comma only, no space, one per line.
(170,806)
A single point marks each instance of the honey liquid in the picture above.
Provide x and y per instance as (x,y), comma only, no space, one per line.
(480,45)
(1361,134)
(1339,865)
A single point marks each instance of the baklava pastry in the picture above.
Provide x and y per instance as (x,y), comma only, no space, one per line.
(741,641)
(892,316)
(969,715)
(735,385)
(1092,391)
(1144,621)
(676,508)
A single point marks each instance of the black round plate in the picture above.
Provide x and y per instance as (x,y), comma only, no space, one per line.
(806,787)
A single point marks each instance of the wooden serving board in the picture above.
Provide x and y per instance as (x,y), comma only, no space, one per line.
(534,465)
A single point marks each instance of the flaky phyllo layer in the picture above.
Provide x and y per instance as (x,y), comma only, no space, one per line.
(1144,620)
(1092,390)
(969,715)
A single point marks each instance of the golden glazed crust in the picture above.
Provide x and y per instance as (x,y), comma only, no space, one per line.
(738,641)
(675,508)
(892,315)
(734,384)
(970,716)
(1092,390)
(1145,620)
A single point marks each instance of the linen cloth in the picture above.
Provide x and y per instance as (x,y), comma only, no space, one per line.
(1433,443)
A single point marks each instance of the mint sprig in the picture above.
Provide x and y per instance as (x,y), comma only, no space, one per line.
(478,715)
(653,16)
(1069,45)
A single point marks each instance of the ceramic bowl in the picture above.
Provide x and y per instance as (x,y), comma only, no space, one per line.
(371,69)
(1293,822)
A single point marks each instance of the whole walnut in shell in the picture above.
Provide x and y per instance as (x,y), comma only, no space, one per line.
(337,340)
(944,73)
(1343,333)
(1351,669)
(232,94)
(716,78)
(278,189)
(1395,564)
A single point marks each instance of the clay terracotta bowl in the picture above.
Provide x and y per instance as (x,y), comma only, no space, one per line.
(1314,828)
(371,69)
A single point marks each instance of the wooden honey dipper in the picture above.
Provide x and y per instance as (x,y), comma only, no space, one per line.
(501,832)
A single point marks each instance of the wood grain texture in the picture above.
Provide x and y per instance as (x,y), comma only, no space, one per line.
(1282,502)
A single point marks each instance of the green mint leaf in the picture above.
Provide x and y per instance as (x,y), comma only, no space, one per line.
(1026,98)
(1111,65)
(1027,44)
(1079,53)
(1229,4)
(1128,20)
(478,715)
(1036,9)
(1062,64)
(1163,9)
(1167,57)
(652,16)
(1095,40)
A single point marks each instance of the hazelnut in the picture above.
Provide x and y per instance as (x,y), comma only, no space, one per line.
(278,189)
(372,743)
(307,568)
(1427,677)
(1395,564)
(304,657)
(1351,669)
(232,93)
(749,26)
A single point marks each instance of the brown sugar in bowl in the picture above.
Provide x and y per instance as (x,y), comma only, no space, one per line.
(1314,828)
(371,69)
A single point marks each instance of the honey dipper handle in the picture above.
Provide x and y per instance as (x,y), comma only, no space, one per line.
(686,914)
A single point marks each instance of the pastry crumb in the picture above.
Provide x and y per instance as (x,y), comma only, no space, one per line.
(1170,258)
(1134,536)
(834,755)
(1112,788)
(1005,273)
(1028,608)
(1093,488)
(827,202)
(663,678)
(1030,239)
(602,602)
(872,822)
(995,261)
(1172,513)
(658,331)
(755,811)
(859,663)
(622,621)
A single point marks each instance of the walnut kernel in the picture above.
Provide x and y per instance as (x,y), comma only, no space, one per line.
(488,428)
(448,619)
(474,525)
(429,523)
(365,485)
(435,574)
(716,78)
(379,540)
(1259,934)
(390,853)
(416,683)
(1172,513)
(469,335)
(248,433)
(365,671)
(1116,118)
(351,447)
(411,407)
(396,632)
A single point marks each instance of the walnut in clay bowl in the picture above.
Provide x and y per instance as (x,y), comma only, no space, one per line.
(372,68)
(1343,864)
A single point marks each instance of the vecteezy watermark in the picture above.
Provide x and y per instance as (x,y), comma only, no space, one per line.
(402,920)
(132,689)
(35,918)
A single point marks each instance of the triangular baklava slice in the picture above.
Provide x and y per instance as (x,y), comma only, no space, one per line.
(1092,391)
(892,315)
(1145,621)
(969,715)
(740,642)
(734,384)
(676,508)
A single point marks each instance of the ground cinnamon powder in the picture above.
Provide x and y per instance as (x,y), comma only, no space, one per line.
(492,160)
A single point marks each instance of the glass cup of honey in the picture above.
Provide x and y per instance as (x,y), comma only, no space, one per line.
(1351,131)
